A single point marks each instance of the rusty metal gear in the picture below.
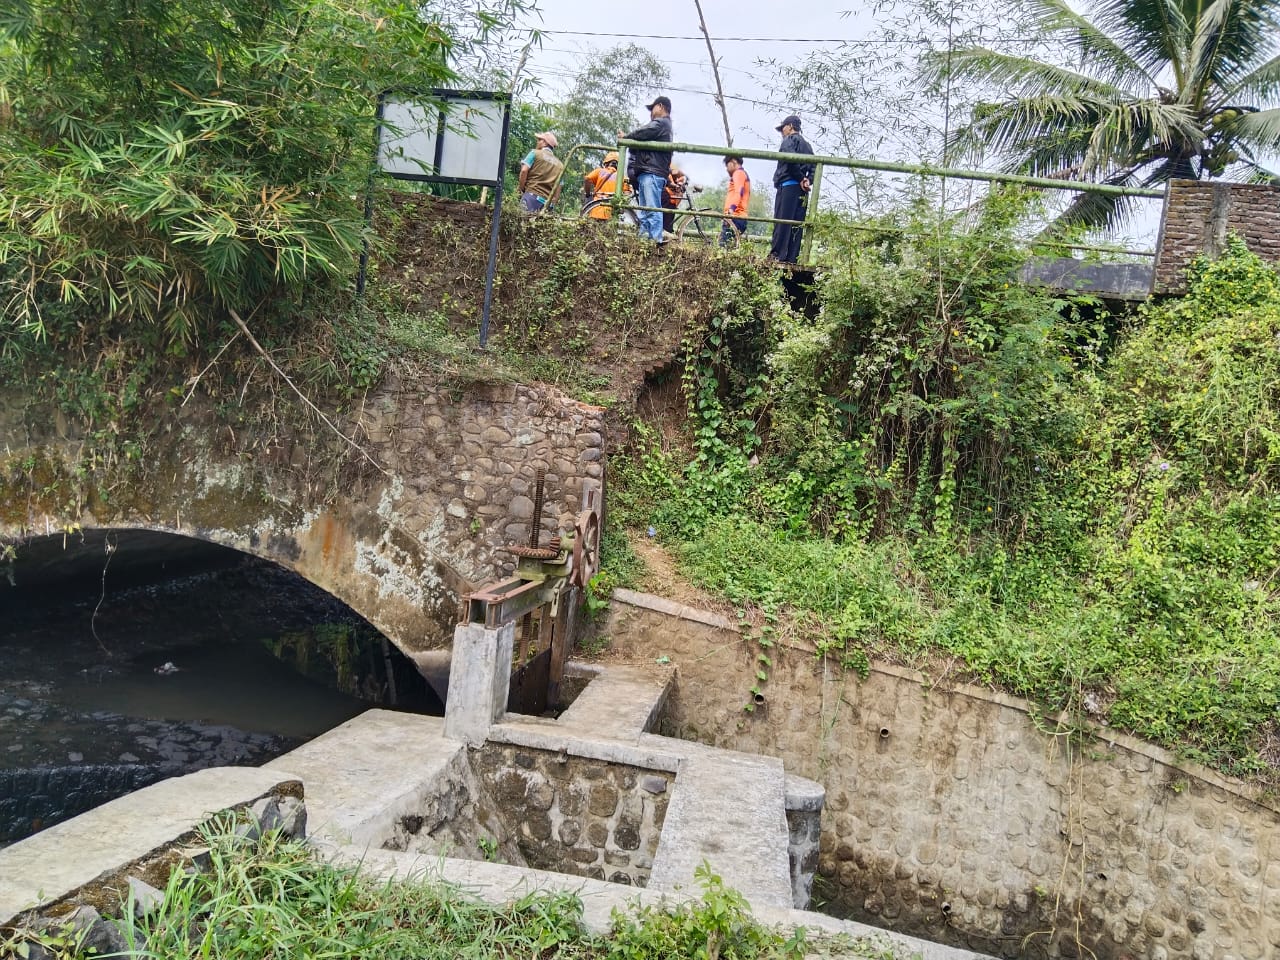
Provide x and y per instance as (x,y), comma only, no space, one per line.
(586,548)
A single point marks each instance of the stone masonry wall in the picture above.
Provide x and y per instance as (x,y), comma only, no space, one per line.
(399,542)
(576,815)
(952,814)
(1200,215)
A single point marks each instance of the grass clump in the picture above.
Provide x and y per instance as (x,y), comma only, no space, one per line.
(274,898)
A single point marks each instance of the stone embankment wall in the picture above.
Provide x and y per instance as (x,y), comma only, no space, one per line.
(32,798)
(399,542)
(953,814)
(1200,215)
(577,815)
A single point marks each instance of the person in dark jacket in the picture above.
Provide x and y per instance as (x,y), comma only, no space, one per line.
(648,169)
(792,182)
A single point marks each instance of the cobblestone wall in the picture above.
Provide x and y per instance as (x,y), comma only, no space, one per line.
(34,798)
(574,815)
(953,815)
(1200,215)
(399,543)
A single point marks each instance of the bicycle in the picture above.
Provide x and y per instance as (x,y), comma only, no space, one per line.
(687,227)
(696,225)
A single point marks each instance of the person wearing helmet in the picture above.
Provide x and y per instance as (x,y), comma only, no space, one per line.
(601,184)
(672,193)
(540,174)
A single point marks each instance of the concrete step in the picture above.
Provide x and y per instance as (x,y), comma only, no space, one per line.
(621,703)
(99,844)
(498,883)
(729,810)
(362,777)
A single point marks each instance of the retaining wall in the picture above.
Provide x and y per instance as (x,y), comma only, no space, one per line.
(575,814)
(952,814)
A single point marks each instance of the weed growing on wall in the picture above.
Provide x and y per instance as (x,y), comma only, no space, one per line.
(945,465)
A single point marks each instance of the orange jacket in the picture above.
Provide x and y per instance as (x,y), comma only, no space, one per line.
(601,184)
(738,197)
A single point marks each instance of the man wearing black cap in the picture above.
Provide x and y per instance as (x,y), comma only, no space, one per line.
(792,181)
(648,169)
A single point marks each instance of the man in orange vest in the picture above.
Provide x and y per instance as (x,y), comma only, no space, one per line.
(737,199)
(601,184)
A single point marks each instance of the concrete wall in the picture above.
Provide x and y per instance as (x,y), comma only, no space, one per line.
(398,542)
(576,815)
(952,814)
(1200,215)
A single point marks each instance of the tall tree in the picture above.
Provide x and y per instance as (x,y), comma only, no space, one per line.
(603,99)
(1153,90)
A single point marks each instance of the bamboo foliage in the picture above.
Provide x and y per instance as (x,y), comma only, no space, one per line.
(162,161)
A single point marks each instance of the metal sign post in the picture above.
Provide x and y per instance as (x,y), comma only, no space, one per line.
(444,136)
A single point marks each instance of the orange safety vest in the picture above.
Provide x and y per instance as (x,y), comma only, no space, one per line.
(602,183)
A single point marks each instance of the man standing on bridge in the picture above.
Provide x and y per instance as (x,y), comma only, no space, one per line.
(648,169)
(737,199)
(792,182)
(540,174)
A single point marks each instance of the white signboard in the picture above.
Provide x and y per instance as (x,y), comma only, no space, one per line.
(459,140)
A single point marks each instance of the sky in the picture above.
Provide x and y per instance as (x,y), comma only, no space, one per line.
(769,25)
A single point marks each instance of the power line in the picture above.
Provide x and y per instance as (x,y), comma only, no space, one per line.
(866,42)
(665,60)
(567,74)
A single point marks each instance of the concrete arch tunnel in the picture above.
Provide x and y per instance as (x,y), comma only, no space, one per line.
(399,535)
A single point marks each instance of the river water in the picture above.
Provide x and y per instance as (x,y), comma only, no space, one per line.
(107,684)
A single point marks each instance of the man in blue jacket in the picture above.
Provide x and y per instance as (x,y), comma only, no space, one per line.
(792,182)
(648,169)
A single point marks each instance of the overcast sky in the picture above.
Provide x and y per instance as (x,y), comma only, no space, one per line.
(769,25)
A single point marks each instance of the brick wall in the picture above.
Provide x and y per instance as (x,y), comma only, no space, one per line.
(1198,218)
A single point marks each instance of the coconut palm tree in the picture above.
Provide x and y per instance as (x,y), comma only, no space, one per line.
(1155,90)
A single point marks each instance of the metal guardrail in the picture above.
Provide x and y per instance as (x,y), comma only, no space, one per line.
(821,160)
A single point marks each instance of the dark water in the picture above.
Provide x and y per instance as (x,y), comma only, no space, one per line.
(108,686)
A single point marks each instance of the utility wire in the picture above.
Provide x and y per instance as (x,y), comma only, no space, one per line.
(868,42)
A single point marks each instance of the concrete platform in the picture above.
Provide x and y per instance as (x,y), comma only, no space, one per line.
(48,866)
(498,884)
(729,811)
(365,775)
(620,703)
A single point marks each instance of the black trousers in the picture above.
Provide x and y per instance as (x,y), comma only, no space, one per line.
(789,204)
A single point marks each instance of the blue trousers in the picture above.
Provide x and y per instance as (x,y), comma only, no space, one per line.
(730,234)
(789,204)
(649,190)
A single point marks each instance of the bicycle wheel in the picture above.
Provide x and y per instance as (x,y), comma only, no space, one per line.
(701,230)
(627,220)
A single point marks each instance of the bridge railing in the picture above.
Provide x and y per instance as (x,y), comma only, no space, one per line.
(853,163)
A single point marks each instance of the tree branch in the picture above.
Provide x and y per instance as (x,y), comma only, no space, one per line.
(318,412)
(715,70)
